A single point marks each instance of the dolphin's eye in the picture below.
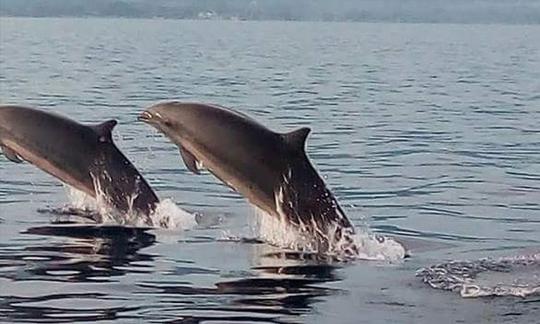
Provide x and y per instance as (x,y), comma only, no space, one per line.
(167,123)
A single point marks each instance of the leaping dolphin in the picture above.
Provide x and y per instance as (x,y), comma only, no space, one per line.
(82,156)
(270,169)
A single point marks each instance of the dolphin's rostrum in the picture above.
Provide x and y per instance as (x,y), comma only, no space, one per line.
(82,156)
(270,169)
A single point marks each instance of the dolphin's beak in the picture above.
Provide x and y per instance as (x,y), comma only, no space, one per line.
(146,117)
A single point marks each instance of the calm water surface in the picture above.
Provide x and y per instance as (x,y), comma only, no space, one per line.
(425,132)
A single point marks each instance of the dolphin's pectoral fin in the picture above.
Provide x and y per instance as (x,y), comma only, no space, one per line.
(11,154)
(189,160)
(297,138)
(104,130)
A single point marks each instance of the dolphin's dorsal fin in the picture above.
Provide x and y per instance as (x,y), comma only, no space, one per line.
(297,138)
(11,154)
(104,130)
(190,160)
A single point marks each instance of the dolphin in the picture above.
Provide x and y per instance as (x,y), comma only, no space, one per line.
(82,156)
(270,169)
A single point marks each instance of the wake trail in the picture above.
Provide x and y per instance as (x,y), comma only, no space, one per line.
(507,276)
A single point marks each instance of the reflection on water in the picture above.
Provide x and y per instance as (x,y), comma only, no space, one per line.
(272,296)
(281,284)
(13,309)
(83,254)
(91,253)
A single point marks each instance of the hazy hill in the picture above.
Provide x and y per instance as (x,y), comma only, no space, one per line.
(458,11)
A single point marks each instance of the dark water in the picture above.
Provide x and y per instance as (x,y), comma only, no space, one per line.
(428,133)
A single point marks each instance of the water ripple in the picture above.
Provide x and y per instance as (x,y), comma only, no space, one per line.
(428,132)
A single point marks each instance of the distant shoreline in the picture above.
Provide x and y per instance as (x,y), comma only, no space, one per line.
(233,19)
(522,12)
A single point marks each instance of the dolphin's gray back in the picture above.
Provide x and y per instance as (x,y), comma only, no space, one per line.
(241,152)
(270,169)
(77,154)
(273,161)
(55,139)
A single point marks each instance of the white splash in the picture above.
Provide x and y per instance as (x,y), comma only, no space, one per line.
(167,214)
(80,200)
(509,276)
(377,247)
(369,246)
